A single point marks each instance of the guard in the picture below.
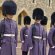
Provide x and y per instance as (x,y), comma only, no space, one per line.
(51,37)
(44,24)
(25,39)
(8,29)
(37,32)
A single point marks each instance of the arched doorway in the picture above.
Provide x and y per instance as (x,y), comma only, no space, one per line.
(21,18)
(20,21)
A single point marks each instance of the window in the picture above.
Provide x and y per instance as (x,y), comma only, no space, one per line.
(49,2)
(53,2)
(33,1)
(19,19)
(46,2)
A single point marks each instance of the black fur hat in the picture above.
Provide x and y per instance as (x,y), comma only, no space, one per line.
(53,18)
(27,20)
(38,14)
(44,21)
(9,7)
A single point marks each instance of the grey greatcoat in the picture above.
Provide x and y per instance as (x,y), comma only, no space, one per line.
(37,33)
(24,37)
(50,35)
(9,32)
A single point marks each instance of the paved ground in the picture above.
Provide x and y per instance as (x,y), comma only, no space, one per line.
(19,49)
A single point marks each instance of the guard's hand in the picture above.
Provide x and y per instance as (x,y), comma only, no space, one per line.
(53,47)
(22,41)
(16,47)
(0,47)
(30,48)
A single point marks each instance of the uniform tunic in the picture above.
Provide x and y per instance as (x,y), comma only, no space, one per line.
(24,37)
(51,50)
(9,43)
(37,34)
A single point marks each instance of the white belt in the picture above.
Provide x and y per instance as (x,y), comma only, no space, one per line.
(44,38)
(37,37)
(9,35)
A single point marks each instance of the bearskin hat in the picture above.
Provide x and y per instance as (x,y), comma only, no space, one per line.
(9,7)
(53,18)
(38,14)
(27,20)
(44,21)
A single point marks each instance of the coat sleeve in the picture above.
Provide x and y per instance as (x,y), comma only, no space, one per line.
(50,37)
(46,39)
(0,34)
(30,37)
(45,36)
(16,34)
(21,35)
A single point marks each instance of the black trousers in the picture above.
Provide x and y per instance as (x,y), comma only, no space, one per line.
(24,52)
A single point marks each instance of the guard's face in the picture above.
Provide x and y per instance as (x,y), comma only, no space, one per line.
(37,21)
(10,16)
(27,25)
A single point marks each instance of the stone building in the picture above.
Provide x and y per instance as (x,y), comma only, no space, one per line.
(25,7)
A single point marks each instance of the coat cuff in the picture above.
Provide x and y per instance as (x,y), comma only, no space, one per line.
(44,38)
(30,48)
(0,47)
(53,47)
(22,41)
